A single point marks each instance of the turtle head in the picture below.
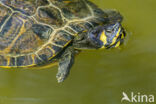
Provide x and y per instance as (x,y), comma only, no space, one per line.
(107,36)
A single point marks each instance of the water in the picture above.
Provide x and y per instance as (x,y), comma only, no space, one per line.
(98,77)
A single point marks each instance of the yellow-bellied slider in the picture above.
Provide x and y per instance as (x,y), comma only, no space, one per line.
(35,32)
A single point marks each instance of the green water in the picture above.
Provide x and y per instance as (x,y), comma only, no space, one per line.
(97,77)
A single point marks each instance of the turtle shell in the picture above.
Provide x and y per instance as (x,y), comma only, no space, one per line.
(35,31)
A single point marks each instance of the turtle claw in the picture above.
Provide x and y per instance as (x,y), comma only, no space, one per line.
(60,77)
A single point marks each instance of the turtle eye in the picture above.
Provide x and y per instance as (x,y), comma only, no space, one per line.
(109,30)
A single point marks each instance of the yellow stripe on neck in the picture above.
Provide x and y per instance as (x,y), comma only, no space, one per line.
(103,37)
(117,44)
(122,36)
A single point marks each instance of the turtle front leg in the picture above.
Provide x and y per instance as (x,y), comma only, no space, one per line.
(65,63)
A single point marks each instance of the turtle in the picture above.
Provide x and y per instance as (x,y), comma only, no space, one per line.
(39,32)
